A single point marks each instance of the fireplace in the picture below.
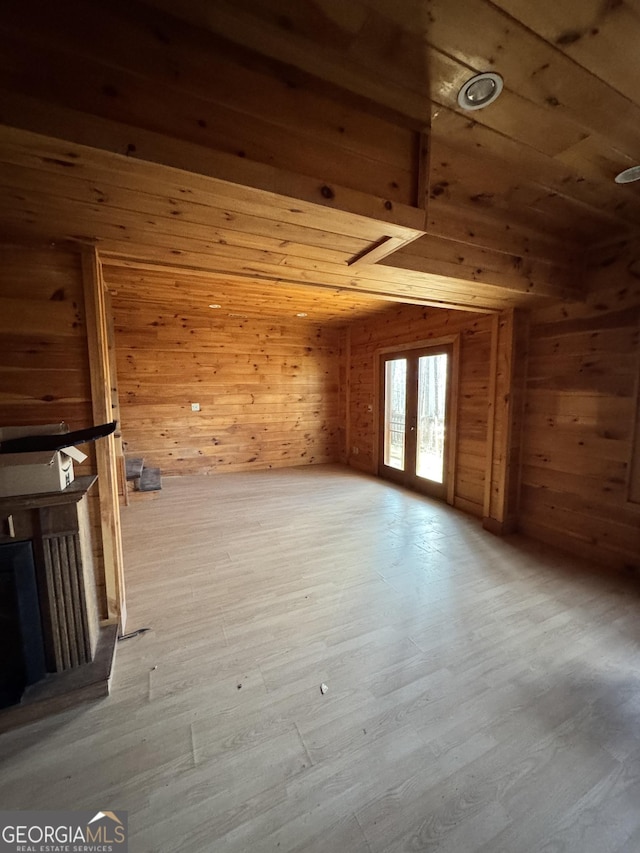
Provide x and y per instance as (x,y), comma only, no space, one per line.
(22,662)
(57,654)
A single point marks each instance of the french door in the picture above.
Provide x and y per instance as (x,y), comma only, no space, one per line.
(415,418)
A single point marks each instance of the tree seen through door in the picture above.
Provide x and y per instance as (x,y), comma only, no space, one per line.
(415,389)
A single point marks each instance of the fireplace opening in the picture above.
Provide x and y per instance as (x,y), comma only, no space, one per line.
(22,661)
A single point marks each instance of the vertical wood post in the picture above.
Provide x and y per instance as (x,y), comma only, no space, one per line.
(491,415)
(98,342)
(115,400)
(505,417)
(347,394)
(452,426)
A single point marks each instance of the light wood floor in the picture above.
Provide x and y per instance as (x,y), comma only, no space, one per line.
(484,694)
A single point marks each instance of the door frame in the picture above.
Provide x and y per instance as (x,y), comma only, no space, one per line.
(452,341)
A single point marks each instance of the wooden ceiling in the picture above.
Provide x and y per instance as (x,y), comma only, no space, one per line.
(221,298)
(544,155)
(274,142)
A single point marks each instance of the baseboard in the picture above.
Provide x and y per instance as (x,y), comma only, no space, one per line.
(499,528)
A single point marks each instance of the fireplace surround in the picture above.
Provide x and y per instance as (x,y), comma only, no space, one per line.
(77,651)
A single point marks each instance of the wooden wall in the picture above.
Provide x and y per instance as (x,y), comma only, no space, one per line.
(270,391)
(581,404)
(44,363)
(404,325)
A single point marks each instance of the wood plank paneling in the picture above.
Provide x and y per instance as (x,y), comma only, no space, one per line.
(44,363)
(473,414)
(270,391)
(543,155)
(583,374)
(152,73)
(598,36)
(454,260)
(297,102)
(175,290)
(141,212)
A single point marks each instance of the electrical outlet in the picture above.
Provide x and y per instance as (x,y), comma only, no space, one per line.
(195,407)
(355,451)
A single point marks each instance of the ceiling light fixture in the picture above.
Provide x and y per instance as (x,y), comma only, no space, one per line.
(480,91)
(628,175)
(301,314)
(215,305)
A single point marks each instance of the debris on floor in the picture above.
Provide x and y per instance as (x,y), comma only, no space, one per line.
(143,478)
(323,688)
(150,480)
(133,467)
(133,634)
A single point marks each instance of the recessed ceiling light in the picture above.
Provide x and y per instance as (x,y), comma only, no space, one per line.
(628,176)
(215,305)
(480,91)
(302,314)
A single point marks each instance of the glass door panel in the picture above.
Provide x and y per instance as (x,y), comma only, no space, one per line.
(395,413)
(415,392)
(431,413)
